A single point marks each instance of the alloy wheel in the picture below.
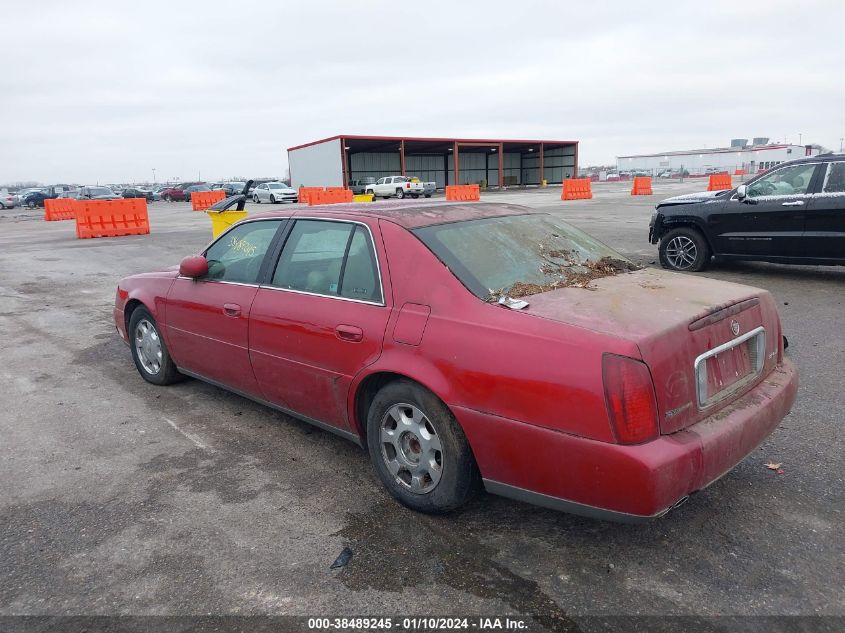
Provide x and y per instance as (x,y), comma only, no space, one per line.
(411,448)
(681,252)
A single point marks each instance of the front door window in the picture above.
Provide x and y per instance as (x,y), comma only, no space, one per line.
(237,256)
(789,181)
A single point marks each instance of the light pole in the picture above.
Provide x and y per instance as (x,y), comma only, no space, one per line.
(154,175)
(799,138)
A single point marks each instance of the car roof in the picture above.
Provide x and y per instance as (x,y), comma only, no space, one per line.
(410,215)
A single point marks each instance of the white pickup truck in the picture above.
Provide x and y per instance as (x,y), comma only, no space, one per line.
(399,186)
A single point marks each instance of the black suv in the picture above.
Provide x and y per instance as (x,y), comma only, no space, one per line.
(792,214)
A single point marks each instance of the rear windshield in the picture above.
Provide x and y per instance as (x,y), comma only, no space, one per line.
(520,255)
(100,191)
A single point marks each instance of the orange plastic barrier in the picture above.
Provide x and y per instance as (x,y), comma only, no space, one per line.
(201,200)
(576,189)
(740,172)
(59,209)
(305,193)
(642,186)
(332,195)
(111,218)
(719,182)
(463,192)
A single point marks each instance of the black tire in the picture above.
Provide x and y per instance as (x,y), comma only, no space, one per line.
(684,249)
(400,193)
(256,199)
(458,478)
(167,198)
(428,195)
(167,373)
(373,194)
(272,199)
(415,195)
(31,204)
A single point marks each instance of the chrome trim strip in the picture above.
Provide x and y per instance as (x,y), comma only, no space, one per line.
(317,294)
(348,435)
(571,507)
(704,403)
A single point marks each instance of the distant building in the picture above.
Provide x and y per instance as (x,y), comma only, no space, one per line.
(336,160)
(759,156)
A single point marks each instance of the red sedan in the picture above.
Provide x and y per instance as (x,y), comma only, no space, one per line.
(470,345)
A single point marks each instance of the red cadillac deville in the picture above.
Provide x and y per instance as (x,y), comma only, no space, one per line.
(470,345)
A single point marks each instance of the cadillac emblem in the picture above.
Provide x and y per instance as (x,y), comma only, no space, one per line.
(735,327)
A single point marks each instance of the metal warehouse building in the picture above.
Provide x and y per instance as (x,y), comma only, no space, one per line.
(334,161)
(760,155)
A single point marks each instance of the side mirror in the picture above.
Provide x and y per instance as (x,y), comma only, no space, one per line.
(742,193)
(194,266)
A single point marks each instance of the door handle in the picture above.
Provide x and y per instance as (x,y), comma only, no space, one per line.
(797,203)
(231,309)
(349,333)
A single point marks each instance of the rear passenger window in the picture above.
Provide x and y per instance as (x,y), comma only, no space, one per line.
(834,180)
(360,274)
(329,258)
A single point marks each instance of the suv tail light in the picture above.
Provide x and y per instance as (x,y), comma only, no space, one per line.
(407,185)
(629,394)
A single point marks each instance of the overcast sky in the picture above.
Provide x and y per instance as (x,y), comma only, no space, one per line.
(92,92)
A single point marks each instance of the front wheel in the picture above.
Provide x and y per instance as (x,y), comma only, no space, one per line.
(684,249)
(373,194)
(418,449)
(256,199)
(167,198)
(152,360)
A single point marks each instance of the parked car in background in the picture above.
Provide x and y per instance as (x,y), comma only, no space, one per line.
(399,186)
(8,201)
(23,193)
(378,325)
(95,193)
(175,193)
(429,188)
(187,191)
(138,192)
(231,188)
(274,192)
(34,199)
(792,214)
(359,185)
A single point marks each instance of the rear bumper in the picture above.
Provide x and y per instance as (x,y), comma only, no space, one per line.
(625,483)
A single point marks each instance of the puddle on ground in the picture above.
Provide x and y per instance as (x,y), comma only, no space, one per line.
(395,548)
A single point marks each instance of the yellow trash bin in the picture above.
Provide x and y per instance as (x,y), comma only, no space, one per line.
(363,197)
(222,220)
(545,183)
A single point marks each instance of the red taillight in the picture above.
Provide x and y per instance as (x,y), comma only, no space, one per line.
(629,394)
(407,185)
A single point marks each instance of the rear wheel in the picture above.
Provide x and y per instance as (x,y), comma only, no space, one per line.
(149,351)
(400,193)
(684,249)
(167,198)
(418,449)
(428,195)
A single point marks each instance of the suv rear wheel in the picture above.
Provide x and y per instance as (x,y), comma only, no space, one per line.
(684,249)
(400,193)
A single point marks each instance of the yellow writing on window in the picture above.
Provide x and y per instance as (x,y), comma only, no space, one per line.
(243,246)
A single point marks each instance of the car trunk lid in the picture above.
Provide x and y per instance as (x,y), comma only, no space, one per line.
(706,342)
